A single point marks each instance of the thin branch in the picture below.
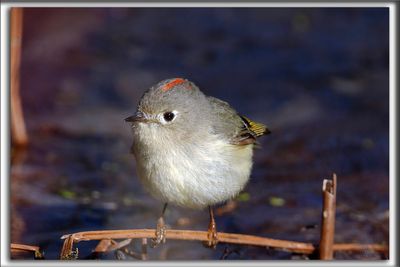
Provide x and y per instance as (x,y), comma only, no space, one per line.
(103,246)
(67,252)
(26,248)
(298,247)
(22,247)
(328,218)
(118,245)
(18,128)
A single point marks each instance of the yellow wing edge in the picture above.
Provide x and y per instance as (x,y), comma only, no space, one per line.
(257,128)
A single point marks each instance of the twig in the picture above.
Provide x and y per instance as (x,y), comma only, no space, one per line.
(328,218)
(67,252)
(18,128)
(103,246)
(121,244)
(26,248)
(108,245)
(22,247)
(298,247)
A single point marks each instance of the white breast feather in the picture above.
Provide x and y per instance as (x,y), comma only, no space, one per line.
(192,176)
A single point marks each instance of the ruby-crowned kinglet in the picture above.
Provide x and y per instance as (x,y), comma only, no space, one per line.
(191,149)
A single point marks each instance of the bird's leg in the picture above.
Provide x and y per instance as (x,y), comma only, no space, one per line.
(161,229)
(212,230)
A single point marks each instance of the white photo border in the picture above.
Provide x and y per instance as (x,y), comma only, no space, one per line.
(5,132)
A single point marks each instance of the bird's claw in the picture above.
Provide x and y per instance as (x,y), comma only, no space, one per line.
(212,236)
(160,233)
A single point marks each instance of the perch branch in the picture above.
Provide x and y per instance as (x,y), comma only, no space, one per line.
(293,246)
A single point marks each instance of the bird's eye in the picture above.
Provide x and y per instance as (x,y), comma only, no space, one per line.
(169,116)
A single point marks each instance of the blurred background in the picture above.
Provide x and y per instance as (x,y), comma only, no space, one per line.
(317,77)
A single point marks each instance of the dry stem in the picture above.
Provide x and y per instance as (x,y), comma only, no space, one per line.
(26,248)
(18,128)
(298,247)
(328,218)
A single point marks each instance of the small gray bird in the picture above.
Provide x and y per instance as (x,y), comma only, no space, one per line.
(191,150)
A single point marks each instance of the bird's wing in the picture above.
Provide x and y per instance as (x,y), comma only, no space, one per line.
(239,130)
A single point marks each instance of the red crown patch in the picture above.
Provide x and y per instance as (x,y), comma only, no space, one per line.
(172,84)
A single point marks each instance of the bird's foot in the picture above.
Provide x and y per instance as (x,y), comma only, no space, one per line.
(212,236)
(160,233)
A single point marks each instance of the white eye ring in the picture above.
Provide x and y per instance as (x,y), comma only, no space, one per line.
(167,117)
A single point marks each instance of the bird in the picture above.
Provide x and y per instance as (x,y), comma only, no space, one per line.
(191,150)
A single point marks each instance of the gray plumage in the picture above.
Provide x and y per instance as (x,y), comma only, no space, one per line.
(191,150)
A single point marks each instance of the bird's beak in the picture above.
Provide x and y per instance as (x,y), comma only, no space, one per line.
(138,117)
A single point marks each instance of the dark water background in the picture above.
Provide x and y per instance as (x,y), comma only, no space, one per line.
(317,77)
